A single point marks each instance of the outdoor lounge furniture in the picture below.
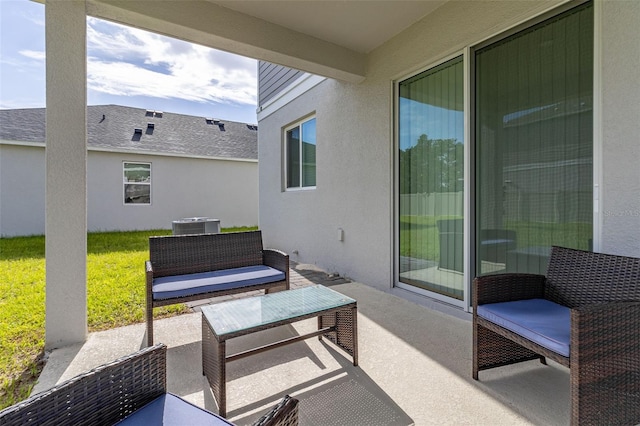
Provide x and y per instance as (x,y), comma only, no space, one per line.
(584,314)
(128,391)
(183,268)
(337,317)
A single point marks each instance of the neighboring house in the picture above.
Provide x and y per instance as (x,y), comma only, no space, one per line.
(145,169)
(482,136)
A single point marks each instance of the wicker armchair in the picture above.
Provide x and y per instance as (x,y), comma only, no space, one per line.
(121,391)
(602,293)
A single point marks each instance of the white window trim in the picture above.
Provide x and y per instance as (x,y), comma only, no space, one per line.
(298,88)
(285,169)
(124,183)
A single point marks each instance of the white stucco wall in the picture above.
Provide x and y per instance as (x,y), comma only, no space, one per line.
(620,78)
(22,190)
(353,183)
(181,187)
(355,141)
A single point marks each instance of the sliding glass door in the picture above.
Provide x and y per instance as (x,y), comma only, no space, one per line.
(531,120)
(431,180)
(534,144)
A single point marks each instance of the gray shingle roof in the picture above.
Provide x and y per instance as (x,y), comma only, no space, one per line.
(112,127)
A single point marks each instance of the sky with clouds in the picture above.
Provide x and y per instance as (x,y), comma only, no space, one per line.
(127,66)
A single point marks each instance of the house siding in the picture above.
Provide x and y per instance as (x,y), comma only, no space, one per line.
(22,190)
(181,187)
(355,148)
(272,79)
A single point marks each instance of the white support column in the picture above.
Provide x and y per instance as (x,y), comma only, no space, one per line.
(66,163)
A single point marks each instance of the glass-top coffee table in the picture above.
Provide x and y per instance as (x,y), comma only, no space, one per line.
(337,321)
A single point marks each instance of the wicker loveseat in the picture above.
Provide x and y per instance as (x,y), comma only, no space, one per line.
(584,314)
(183,268)
(128,391)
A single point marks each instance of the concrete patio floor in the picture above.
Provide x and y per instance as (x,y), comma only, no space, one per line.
(414,368)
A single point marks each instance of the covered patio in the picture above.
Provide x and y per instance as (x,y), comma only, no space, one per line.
(414,353)
(418,374)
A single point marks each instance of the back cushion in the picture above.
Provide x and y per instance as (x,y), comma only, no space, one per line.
(188,254)
(577,277)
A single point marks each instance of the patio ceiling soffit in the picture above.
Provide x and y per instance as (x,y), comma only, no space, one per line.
(212,25)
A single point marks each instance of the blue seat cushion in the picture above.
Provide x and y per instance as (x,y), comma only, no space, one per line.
(169,410)
(225,279)
(538,320)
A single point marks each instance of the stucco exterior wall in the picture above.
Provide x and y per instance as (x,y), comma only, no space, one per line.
(22,190)
(353,183)
(355,151)
(181,187)
(620,78)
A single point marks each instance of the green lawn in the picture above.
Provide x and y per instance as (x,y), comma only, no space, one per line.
(115,293)
(419,236)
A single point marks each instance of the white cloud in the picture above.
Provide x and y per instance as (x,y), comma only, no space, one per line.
(33,54)
(130,62)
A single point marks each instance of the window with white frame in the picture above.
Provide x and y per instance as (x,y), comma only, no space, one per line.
(300,154)
(137,183)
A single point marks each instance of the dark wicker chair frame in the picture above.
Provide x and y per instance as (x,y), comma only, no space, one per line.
(191,254)
(113,391)
(285,413)
(603,293)
(102,396)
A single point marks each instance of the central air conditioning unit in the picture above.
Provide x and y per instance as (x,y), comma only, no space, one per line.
(196,225)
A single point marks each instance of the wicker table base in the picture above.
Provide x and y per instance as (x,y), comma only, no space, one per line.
(336,321)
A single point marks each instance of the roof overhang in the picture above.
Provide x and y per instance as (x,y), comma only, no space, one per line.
(327,38)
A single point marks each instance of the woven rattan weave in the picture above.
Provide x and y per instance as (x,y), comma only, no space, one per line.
(603,293)
(192,254)
(102,396)
(283,414)
(111,392)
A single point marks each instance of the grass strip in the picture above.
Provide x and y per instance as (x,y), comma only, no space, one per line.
(115,298)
